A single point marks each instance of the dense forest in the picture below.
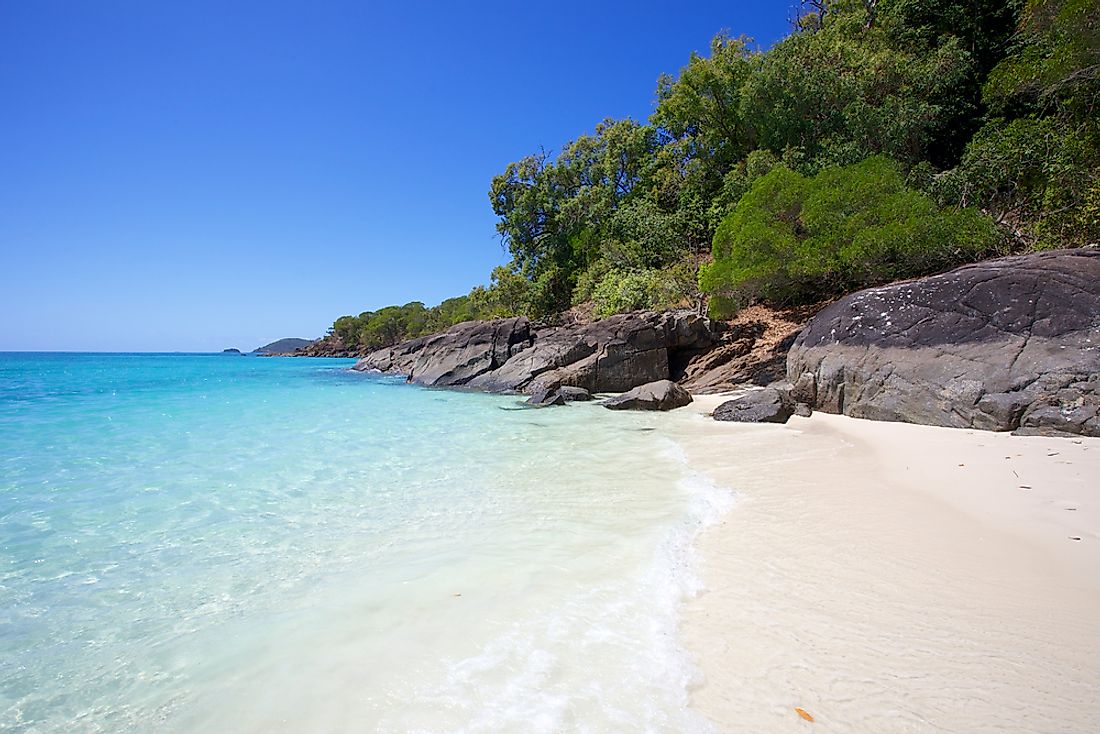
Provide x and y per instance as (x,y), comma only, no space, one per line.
(881,139)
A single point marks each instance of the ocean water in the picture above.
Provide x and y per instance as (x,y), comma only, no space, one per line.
(236,544)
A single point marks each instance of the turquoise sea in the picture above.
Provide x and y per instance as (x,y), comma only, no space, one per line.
(241,544)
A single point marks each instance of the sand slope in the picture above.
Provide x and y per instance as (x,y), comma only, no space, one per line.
(897,578)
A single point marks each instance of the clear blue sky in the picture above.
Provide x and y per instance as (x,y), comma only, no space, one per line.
(199,175)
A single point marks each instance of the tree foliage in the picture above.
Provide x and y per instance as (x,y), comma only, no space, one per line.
(911,81)
(1035,165)
(794,238)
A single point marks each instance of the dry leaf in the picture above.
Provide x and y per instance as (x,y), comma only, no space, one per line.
(803,713)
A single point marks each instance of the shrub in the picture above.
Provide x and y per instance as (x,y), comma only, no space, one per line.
(622,290)
(793,239)
(619,291)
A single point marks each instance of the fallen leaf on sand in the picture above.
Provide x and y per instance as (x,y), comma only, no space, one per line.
(803,713)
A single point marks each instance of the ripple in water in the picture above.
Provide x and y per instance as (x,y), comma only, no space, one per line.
(242,544)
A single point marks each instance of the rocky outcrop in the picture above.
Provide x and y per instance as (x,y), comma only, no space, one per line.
(545,397)
(751,348)
(770,405)
(1006,344)
(513,355)
(659,395)
(456,356)
(327,346)
(574,394)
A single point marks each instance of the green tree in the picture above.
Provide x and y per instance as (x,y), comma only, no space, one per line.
(795,239)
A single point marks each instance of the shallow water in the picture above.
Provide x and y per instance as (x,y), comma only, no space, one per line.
(216,543)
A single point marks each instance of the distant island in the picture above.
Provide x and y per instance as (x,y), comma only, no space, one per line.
(231,350)
(282,346)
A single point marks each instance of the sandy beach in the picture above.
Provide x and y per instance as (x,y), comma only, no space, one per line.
(896,578)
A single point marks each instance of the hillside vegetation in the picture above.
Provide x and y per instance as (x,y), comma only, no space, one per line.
(880,139)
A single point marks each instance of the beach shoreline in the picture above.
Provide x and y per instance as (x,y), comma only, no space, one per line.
(892,577)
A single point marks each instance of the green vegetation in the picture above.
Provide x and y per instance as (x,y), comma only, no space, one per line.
(794,238)
(881,139)
(392,324)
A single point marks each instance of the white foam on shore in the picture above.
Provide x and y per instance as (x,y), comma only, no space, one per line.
(608,658)
(333,552)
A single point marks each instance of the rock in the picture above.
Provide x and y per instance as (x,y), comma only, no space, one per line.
(546,397)
(769,405)
(512,355)
(752,348)
(659,395)
(804,389)
(1069,410)
(802,410)
(329,345)
(574,394)
(1006,344)
(456,356)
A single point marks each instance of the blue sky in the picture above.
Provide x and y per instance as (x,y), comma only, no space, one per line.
(198,175)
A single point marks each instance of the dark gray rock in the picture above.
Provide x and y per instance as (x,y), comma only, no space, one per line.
(804,389)
(659,395)
(769,405)
(802,410)
(1006,344)
(545,397)
(456,356)
(1069,410)
(511,355)
(574,394)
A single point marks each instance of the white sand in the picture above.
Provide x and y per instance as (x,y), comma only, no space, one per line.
(897,578)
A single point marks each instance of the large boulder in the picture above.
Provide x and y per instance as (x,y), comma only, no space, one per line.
(456,356)
(511,355)
(1006,344)
(545,397)
(769,405)
(659,395)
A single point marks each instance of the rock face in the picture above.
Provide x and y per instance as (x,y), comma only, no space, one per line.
(513,355)
(659,395)
(558,396)
(752,348)
(456,356)
(546,398)
(574,394)
(770,405)
(1007,344)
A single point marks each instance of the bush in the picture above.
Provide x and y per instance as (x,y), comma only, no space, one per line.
(619,291)
(1040,170)
(793,239)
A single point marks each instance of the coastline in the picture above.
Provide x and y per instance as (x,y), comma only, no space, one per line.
(893,577)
